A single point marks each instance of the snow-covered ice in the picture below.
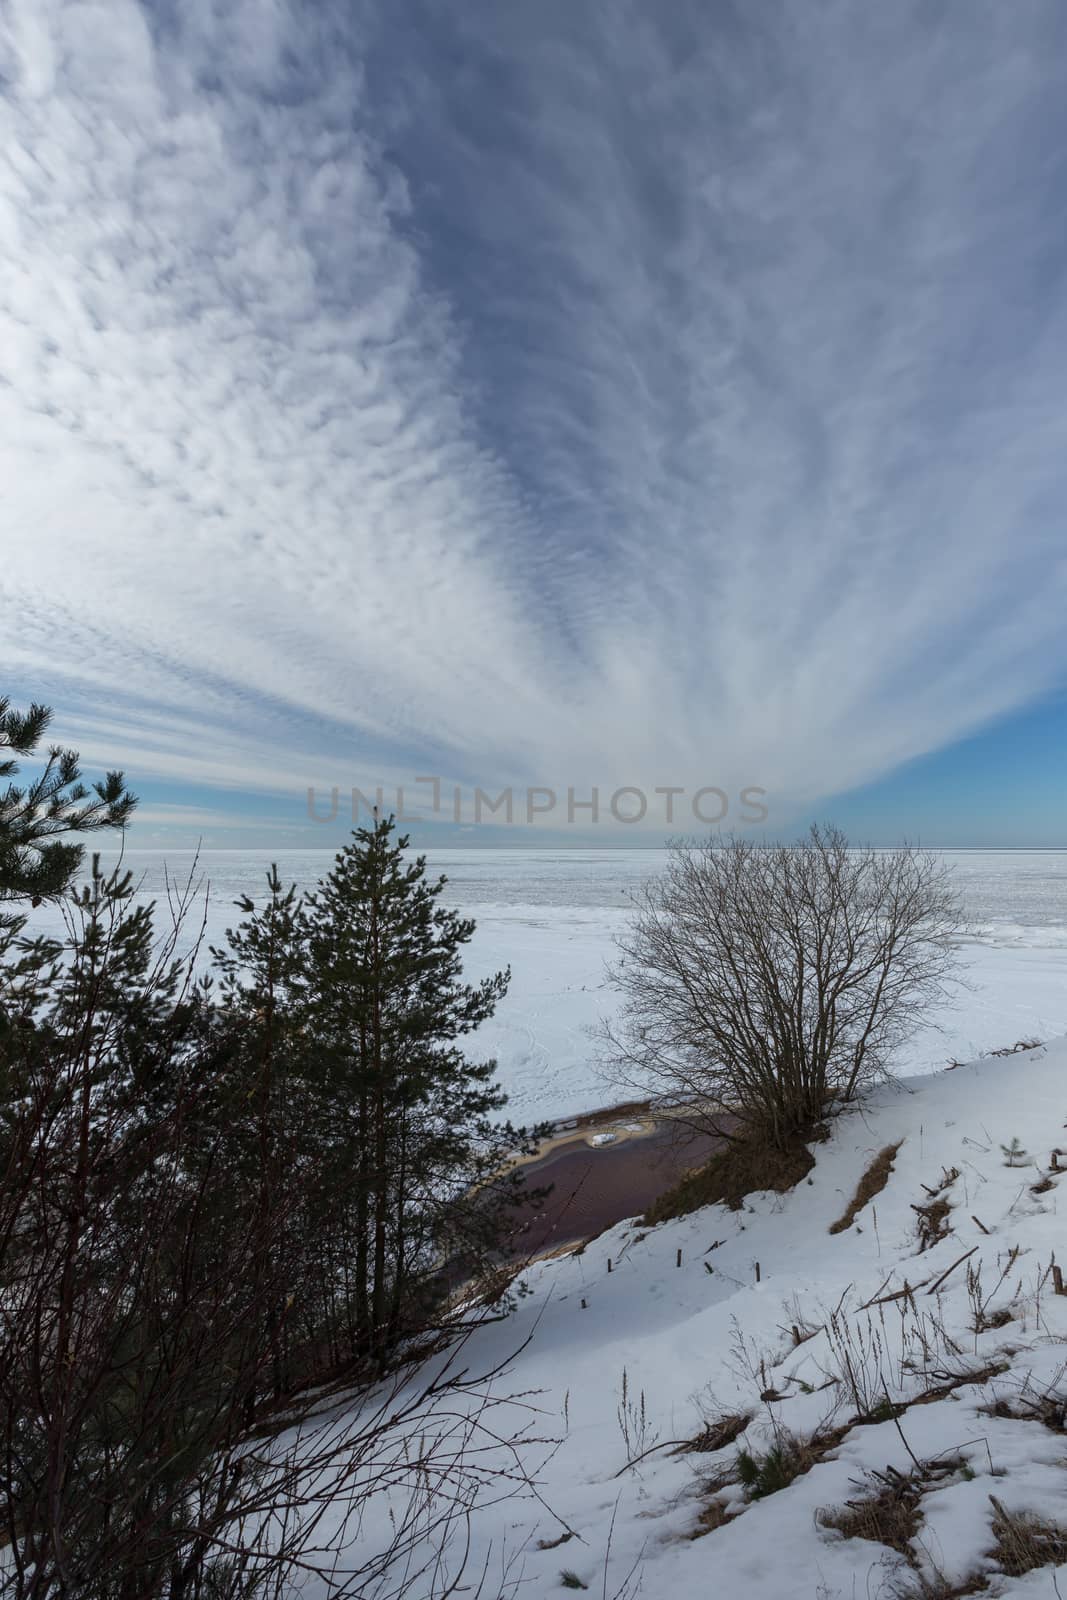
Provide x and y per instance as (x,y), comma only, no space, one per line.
(551,915)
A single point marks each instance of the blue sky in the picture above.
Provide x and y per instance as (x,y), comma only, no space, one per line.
(610,396)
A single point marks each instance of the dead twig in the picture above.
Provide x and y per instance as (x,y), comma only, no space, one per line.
(947,1273)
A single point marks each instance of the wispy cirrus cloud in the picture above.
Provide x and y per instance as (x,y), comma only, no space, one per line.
(568,394)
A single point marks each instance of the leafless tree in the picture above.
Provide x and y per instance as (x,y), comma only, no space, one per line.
(775,981)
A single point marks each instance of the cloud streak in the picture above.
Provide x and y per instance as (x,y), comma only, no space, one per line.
(563,394)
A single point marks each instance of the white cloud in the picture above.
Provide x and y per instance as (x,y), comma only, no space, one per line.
(752,475)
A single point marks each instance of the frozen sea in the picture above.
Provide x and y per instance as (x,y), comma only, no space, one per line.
(552,916)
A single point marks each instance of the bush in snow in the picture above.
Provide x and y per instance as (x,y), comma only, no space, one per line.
(775,981)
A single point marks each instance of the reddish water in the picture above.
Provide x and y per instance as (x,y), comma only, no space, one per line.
(593,1189)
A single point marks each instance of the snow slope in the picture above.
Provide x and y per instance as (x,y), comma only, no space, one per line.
(697,1345)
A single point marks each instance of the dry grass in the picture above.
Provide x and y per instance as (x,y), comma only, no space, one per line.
(554,1544)
(1025,1542)
(745,1166)
(873,1182)
(716,1514)
(917,1586)
(890,1513)
(717,1434)
(716,1510)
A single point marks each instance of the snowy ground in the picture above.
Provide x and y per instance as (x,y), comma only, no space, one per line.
(966,1358)
(973,1366)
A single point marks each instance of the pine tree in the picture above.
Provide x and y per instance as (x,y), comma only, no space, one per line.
(1014,1154)
(176,1190)
(141,1285)
(36,862)
(261,976)
(259,1099)
(387,1007)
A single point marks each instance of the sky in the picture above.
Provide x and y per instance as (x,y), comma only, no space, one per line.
(540,399)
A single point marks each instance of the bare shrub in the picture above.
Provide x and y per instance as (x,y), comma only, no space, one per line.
(638,1434)
(775,981)
(865,1362)
(982,1317)
(932,1224)
(896,1356)
(1031,1402)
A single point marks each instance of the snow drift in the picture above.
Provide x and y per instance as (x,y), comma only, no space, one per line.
(750,1403)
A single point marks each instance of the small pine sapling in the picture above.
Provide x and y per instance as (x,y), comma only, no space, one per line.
(1014,1154)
